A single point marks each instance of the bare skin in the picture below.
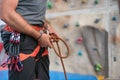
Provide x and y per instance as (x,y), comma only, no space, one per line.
(16,22)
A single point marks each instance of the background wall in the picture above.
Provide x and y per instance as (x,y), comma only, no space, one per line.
(70,19)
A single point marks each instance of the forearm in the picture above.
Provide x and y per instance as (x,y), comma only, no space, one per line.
(14,20)
(17,23)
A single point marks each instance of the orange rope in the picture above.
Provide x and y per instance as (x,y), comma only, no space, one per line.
(56,39)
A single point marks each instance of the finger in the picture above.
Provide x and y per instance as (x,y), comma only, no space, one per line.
(50,39)
(50,45)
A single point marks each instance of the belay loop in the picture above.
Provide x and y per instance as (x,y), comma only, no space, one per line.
(13,60)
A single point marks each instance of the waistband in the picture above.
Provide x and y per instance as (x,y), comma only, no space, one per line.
(7,28)
(38,28)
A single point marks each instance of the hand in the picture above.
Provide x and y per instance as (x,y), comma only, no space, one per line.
(44,41)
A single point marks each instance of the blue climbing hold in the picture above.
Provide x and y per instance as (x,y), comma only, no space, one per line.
(97,21)
(80,53)
(114,18)
(66,25)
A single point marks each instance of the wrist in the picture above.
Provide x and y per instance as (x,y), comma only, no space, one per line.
(39,37)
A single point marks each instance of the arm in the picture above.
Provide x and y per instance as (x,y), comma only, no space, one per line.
(12,18)
(16,22)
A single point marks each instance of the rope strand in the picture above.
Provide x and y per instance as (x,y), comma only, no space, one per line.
(56,39)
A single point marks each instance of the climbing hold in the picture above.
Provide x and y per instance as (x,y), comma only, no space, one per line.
(80,53)
(95,49)
(101,77)
(77,24)
(66,25)
(97,21)
(49,5)
(114,59)
(84,1)
(65,0)
(79,40)
(56,63)
(114,18)
(98,67)
(96,1)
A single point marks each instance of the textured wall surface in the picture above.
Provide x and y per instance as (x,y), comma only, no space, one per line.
(69,17)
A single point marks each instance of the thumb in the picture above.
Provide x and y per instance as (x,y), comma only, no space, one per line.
(50,45)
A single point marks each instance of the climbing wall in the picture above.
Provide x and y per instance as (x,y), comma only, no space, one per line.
(88,55)
(65,5)
(69,28)
(115,44)
(91,30)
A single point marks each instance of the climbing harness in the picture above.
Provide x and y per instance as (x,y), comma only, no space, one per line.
(36,50)
(56,39)
(15,57)
(11,41)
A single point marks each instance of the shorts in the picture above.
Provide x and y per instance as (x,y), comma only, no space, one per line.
(31,69)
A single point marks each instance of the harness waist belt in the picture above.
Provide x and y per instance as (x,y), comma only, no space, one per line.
(36,50)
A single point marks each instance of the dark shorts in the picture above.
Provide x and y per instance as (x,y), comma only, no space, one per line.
(31,69)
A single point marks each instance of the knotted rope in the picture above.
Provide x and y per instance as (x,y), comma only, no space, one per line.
(56,39)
